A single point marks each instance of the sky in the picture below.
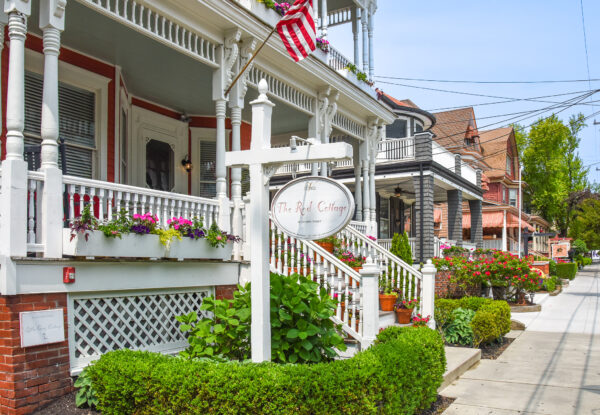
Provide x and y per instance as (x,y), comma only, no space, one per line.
(508,40)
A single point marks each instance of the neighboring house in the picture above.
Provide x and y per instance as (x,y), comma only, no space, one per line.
(495,152)
(137,91)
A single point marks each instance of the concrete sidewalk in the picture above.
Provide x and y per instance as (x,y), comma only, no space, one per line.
(552,368)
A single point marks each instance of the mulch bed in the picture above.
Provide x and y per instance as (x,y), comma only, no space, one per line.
(65,406)
(494,350)
(438,406)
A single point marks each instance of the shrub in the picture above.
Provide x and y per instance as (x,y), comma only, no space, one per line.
(485,328)
(400,374)
(501,310)
(301,326)
(550,284)
(473,303)
(552,267)
(566,270)
(459,331)
(444,308)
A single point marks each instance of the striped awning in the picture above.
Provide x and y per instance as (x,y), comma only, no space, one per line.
(496,220)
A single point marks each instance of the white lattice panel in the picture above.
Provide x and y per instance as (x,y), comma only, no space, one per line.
(100,323)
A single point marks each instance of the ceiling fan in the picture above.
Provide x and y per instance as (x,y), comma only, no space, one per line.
(398,192)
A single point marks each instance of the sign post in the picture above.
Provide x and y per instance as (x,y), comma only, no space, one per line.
(263,161)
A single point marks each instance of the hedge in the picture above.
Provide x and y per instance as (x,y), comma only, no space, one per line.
(566,270)
(491,320)
(400,374)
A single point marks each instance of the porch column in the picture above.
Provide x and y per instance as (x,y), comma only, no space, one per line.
(365,44)
(220,170)
(324,19)
(373,198)
(504,235)
(3,22)
(52,23)
(366,192)
(13,205)
(355,30)
(476,223)
(371,57)
(357,182)
(424,208)
(455,216)
(236,179)
(313,132)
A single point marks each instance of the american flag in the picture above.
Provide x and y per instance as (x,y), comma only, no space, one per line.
(297,29)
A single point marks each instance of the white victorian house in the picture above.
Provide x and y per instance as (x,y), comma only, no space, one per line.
(134,92)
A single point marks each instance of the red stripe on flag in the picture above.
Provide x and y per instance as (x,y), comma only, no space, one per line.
(297,30)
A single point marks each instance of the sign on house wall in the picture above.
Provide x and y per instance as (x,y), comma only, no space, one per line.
(312,207)
(560,250)
(42,327)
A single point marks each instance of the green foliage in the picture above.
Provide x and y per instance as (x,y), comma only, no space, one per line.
(566,270)
(398,375)
(166,236)
(491,322)
(586,225)
(118,226)
(550,283)
(501,310)
(301,328)
(225,333)
(86,394)
(215,236)
(401,247)
(474,303)
(580,247)
(552,267)
(459,330)
(444,308)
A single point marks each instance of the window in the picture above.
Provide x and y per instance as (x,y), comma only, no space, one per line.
(124,142)
(512,197)
(418,127)
(77,109)
(159,166)
(397,129)
(208,178)
(508,164)
(384,218)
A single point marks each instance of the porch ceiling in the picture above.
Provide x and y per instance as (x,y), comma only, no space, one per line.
(151,70)
(387,187)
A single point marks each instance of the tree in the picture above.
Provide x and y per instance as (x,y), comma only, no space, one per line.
(586,223)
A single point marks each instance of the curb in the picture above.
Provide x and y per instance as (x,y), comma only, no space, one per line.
(461,359)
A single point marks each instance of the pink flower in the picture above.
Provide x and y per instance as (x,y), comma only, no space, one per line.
(219,238)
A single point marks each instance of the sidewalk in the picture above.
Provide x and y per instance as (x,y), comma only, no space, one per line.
(551,368)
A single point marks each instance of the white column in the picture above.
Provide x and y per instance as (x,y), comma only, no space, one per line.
(366,192)
(373,198)
(3,21)
(504,235)
(51,23)
(355,30)
(236,180)
(365,43)
(324,19)
(371,59)
(428,292)
(220,170)
(370,297)
(13,205)
(313,132)
(260,332)
(357,182)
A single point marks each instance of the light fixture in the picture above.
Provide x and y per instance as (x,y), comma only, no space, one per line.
(294,142)
(187,163)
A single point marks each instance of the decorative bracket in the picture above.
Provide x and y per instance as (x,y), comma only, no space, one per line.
(230,54)
(238,91)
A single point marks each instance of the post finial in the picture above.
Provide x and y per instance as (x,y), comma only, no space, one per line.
(263,87)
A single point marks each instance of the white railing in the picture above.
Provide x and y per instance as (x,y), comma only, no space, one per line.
(359,226)
(35,187)
(470,246)
(492,244)
(337,61)
(290,255)
(443,156)
(108,199)
(394,272)
(385,243)
(339,16)
(468,173)
(396,149)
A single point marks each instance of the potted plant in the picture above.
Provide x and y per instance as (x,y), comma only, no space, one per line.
(404,310)
(420,321)
(328,243)
(387,299)
(353,261)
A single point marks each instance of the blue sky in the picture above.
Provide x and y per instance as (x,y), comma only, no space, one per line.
(488,40)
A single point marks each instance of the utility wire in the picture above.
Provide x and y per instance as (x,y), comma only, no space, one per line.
(587,59)
(501,102)
(484,82)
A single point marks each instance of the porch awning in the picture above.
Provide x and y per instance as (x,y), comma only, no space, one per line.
(437,215)
(496,219)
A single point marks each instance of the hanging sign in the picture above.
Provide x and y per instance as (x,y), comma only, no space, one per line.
(312,207)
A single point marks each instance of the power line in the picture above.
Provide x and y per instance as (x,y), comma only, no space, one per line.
(587,60)
(485,82)
(503,102)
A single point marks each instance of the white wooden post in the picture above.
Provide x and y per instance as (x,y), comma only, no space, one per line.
(14,168)
(370,296)
(324,19)
(355,30)
(366,194)
(504,234)
(371,25)
(52,22)
(373,199)
(428,292)
(357,182)
(364,16)
(3,22)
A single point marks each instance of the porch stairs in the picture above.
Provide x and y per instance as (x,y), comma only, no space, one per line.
(289,255)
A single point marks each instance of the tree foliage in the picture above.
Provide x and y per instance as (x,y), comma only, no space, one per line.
(553,169)
(586,224)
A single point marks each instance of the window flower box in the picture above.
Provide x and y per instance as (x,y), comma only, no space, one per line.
(141,246)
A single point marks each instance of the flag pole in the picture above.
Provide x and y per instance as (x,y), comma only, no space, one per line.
(250,61)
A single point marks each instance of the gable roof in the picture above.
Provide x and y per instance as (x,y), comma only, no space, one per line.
(407,107)
(495,143)
(454,126)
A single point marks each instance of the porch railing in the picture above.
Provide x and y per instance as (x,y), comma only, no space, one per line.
(337,61)
(396,149)
(109,198)
(35,188)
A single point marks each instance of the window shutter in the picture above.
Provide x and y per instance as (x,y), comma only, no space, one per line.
(77,113)
(208,178)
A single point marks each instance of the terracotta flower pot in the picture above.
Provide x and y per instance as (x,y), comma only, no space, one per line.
(294,270)
(403,315)
(386,302)
(328,246)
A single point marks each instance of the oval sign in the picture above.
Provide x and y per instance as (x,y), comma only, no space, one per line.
(312,207)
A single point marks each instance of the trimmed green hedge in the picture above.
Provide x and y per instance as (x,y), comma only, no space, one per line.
(566,270)
(491,320)
(400,374)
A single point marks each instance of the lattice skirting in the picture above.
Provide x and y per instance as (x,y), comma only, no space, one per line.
(145,320)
